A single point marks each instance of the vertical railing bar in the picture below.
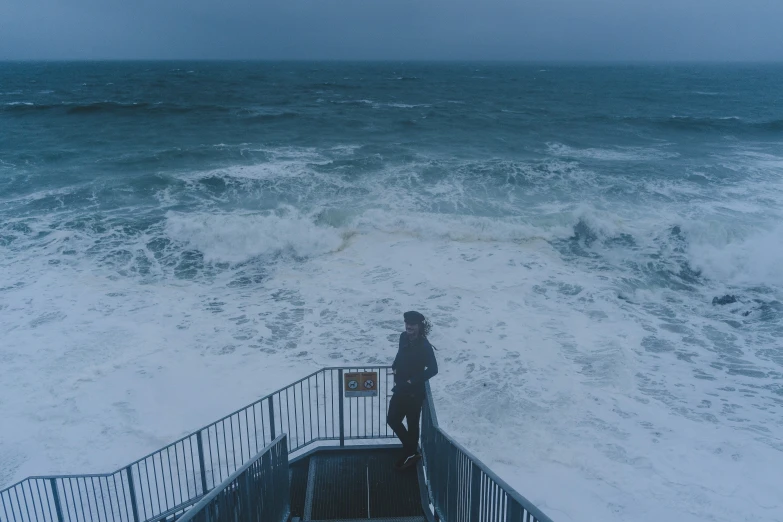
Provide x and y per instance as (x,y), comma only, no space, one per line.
(211,464)
(56,496)
(317,408)
(189,442)
(122,505)
(310,407)
(33,498)
(503,505)
(271,418)
(386,401)
(157,488)
(145,501)
(483,497)
(48,504)
(149,488)
(95,497)
(179,474)
(81,499)
(103,499)
(326,413)
(18,504)
(188,474)
(171,475)
(496,508)
(24,496)
(331,391)
(24,503)
(84,485)
(40,499)
(280,410)
(142,496)
(81,504)
(296,414)
(233,446)
(211,460)
(109,495)
(124,499)
(5,510)
(288,414)
(492,499)
(132,491)
(372,409)
(351,405)
(302,409)
(255,424)
(193,465)
(263,426)
(341,405)
(247,432)
(128,500)
(225,452)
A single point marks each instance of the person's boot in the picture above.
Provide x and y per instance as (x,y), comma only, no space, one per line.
(410,461)
(399,462)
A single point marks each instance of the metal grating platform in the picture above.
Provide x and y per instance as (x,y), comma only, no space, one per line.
(355,485)
(397,519)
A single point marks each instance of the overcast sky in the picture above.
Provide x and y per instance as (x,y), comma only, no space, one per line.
(393,29)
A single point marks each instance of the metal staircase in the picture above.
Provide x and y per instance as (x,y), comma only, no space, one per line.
(309,451)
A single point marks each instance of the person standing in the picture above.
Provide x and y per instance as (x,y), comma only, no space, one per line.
(413,366)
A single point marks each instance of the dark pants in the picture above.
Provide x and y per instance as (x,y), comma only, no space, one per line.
(405,406)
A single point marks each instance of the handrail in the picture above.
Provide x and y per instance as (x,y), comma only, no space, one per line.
(482,490)
(246,474)
(191,466)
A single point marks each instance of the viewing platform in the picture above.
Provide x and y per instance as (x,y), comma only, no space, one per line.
(316,450)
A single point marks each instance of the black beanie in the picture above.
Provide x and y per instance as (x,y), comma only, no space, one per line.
(413,317)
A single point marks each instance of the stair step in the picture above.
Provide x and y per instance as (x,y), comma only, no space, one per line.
(310,492)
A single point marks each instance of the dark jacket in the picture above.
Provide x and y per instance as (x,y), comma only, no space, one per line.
(415,362)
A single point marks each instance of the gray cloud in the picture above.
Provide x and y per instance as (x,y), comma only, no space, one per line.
(398,29)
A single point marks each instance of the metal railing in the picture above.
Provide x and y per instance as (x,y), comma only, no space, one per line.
(163,484)
(257,491)
(167,483)
(461,487)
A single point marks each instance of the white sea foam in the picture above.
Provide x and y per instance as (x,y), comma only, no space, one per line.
(235,238)
(753,260)
(616,154)
(631,401)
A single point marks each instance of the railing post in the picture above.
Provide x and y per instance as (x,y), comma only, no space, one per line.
(514,511)
(200,445)
(341,401)
(272,417)
(56,494)
(132,489)
(475,492)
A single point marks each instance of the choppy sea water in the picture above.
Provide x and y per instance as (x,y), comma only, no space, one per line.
(598,247)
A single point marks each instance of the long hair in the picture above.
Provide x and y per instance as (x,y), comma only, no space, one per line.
(425,327)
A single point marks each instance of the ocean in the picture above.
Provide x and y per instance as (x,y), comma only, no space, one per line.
(598,247)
